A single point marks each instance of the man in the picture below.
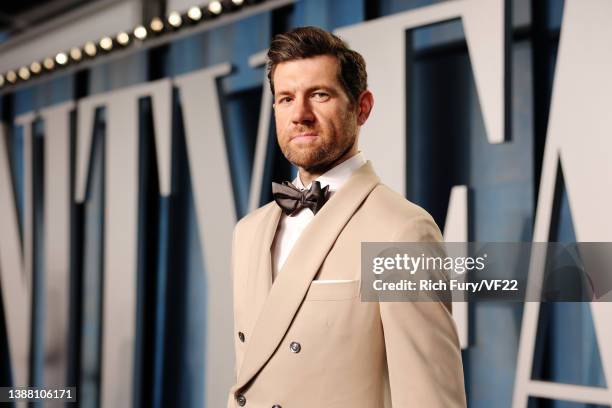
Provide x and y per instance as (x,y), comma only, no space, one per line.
(303,338)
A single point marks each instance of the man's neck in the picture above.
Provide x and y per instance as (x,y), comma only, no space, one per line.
(307,177)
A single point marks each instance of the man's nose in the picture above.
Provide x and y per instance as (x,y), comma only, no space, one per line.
(302,111)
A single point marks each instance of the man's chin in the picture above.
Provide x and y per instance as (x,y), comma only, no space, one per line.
(304,159)
(308,166)
(312,166)
(303,163)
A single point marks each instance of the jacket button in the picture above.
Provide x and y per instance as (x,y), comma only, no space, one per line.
(241,400)
(241,336)
(295,346)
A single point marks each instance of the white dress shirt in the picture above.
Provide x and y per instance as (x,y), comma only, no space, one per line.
(290,228)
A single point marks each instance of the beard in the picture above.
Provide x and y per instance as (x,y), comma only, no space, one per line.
(320,158)
(327,152)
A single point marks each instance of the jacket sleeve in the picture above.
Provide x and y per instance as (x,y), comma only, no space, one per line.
(234,299)
(235,282)
(422,347)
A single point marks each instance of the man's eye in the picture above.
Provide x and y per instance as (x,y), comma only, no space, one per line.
(321,95)
(284,99)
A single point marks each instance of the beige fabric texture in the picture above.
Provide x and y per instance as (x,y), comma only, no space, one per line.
(352,354)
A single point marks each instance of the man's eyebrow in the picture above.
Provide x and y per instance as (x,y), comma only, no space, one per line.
(309,89)
(278,93)
(323,87)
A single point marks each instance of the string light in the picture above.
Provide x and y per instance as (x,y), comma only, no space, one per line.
(90,49)
(49,64)
(140,32)
(35,67)
(24,73)
(123,38)
(194,13)
(215,7)
(106,43)
(61,58)
(156,24)
(11,76)
(175,19)
(76,54)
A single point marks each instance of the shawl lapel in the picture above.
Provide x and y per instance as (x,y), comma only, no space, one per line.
(260,274)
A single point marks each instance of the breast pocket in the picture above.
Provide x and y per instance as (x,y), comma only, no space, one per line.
(322,290)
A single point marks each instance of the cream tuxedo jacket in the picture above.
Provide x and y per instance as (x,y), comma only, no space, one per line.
(304,343)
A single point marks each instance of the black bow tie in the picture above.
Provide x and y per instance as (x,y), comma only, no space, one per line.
(291,199)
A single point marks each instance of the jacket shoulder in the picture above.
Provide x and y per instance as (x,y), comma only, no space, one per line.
(394,205)
(398,216)
(252,218)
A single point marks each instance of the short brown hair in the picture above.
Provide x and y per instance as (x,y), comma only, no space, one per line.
(306,42)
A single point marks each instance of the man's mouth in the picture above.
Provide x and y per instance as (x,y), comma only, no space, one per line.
(304,137)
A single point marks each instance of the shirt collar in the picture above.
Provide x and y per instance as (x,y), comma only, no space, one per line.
(337,175)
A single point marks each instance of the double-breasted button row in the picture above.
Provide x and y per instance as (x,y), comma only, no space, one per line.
(294,346)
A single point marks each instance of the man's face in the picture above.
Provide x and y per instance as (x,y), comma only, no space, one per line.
(315,123)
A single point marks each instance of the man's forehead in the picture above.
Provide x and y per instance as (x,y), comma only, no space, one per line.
(321,65)
(322,68)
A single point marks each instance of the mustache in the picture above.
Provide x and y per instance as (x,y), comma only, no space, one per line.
(301,130)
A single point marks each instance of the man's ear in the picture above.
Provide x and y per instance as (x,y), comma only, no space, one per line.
(365,103)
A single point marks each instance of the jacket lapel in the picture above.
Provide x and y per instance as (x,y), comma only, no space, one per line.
(260,275)
(301,266)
